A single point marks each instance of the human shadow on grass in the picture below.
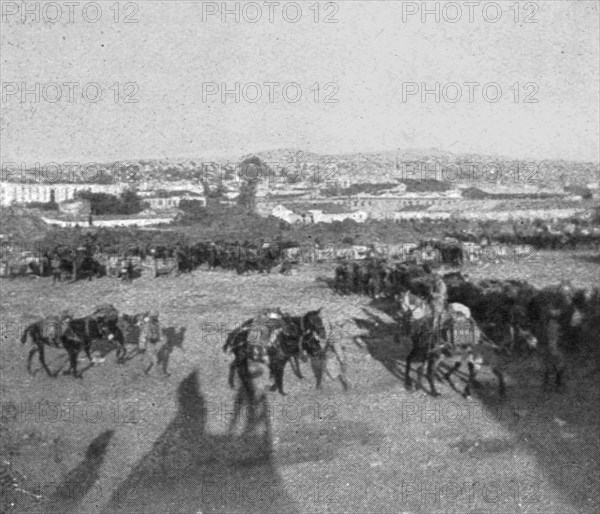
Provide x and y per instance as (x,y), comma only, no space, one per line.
(190,470)
(173,338)
(80,480)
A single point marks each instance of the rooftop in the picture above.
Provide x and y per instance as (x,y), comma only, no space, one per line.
(326,208)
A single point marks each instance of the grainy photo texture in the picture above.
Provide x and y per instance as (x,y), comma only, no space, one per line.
(299,257)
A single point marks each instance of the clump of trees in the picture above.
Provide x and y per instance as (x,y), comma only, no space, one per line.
(252,171)
(127,203)
(193,210)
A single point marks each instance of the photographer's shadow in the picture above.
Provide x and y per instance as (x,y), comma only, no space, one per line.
(190,470)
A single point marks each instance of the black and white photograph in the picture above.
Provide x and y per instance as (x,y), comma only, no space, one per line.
(300,257)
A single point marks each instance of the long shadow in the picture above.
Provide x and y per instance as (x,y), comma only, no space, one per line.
(81,478)
(561,428)
(174,338)
(385,341)
(190,470)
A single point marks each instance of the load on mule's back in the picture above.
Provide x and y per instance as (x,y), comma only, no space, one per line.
(107,321)
(254,338)
(276,338)
(106,312)
(440,330)
(263,332)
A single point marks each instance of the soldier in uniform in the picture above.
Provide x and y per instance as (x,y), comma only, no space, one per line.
(150,341)
(438,300)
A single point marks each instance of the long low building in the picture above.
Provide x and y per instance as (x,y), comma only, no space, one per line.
(492,215)
(12,193)
(316,213)
(384,206)
(376,206)
(110,221)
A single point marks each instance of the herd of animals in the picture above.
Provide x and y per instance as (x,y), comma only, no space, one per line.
(98,255)
(483,323)
(94,261)
(289,338)
(567,234)
(254,344)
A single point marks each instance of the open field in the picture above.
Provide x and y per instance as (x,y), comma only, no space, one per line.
(124,442)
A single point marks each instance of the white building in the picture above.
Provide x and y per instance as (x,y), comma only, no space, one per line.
(288,215)
(20,193)
(172,201)
(301,215)
(318,216)
(107,221)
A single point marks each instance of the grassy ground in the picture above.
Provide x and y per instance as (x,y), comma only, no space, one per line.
(124,442)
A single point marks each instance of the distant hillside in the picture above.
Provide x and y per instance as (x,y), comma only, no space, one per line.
(360,167)
(390,166)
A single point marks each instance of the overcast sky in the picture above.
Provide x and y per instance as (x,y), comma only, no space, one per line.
(364,61)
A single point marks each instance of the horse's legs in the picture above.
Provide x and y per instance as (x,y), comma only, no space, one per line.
(273,363)
(559,371)
(32,352)
(317,367)
(280,380)
(501,384)
(73,352)
(232,368)
(453,370)
(278,370)
(431,367)
(87,345)
(295,363)
(470,380)
(43,360)
(122,349)
(407,379)
(420,375)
